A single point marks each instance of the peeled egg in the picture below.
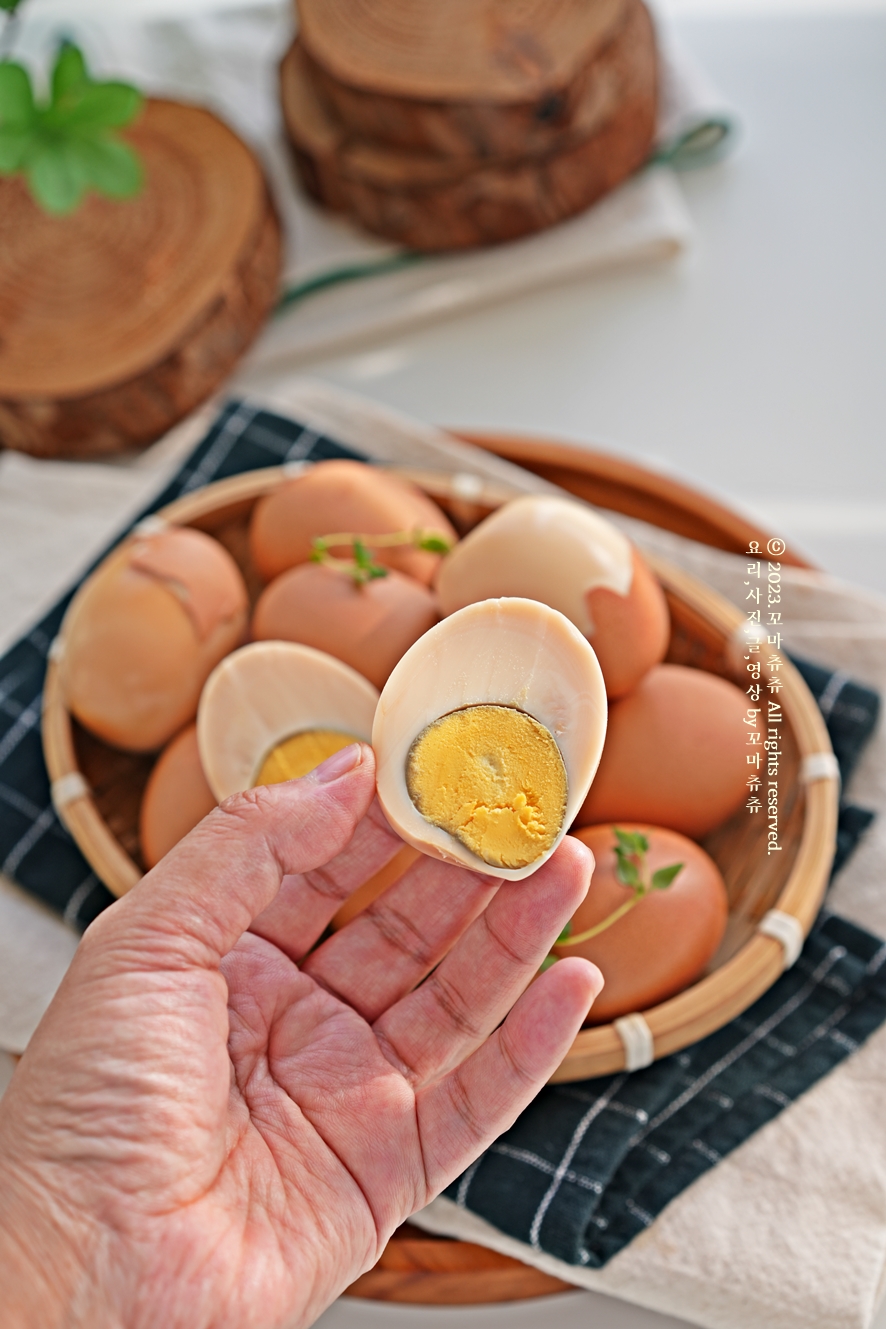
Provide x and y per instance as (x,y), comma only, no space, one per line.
(562,553)
(274,710)
(144,632)
(675,755)
(339,496)
(176,797)
(368,626)
(666,940)
(487,736)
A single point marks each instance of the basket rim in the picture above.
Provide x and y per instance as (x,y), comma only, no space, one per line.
(693,1013)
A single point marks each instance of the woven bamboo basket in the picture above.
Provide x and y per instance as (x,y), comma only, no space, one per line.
(98,790)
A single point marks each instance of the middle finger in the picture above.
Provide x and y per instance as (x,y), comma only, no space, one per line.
(389,948)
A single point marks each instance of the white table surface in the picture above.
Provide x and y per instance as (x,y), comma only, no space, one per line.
(754,368)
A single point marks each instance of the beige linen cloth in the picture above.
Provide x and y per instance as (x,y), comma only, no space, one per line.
(789,1231)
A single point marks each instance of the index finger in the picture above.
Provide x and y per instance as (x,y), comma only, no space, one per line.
(200,899)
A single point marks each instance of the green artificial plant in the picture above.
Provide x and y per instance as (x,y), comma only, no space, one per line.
(67,144)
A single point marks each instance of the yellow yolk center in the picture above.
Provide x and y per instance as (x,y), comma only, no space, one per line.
(299,754)
(494,778)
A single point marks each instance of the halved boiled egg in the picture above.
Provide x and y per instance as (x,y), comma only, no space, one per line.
(487,736)
(274,710)
(563,553)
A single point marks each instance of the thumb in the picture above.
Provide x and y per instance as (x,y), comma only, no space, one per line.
(198,901)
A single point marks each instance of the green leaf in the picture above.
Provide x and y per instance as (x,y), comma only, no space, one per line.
(626,870)
(664,876)
(17,109)
(361,556)
(98,106)
(546,963)
(10,5)
(69,73)
(13,144)
(633,842)
(112,167)
(56,174)
(566,933)
(434,544)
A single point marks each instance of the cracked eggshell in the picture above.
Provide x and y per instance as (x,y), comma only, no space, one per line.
(144,632)
(265,693)
(507,652)
(564,554)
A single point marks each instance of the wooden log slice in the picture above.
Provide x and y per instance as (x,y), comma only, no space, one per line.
(430,202)
(117,320)
(460,51)
(479,125)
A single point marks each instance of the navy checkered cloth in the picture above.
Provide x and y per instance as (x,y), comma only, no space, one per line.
(588,1165)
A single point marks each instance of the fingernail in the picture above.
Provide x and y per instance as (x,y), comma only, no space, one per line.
(334,767)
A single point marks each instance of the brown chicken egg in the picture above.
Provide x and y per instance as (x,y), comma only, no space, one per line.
(176,797)
(369,626)
(145,631)
(675,755)
(487,736)
(344,496)
(562,553)
(274,710)
(666,941)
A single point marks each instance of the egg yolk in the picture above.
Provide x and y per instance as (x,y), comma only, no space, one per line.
(300,753)
(494,778)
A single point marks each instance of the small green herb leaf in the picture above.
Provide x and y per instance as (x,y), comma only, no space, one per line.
(13,144)
(99,106)
(67,146)
(567,932)
(17,109)
(633,842)
(57,175)
(69,74)
(664,876)
(546,963)
(112,167)
(361,556)
(627,871)
(434,544)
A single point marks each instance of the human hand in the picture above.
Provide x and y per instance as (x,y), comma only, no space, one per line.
(212,1127)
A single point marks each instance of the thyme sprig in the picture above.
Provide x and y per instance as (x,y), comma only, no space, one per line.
(361,567)
(67,144)
(631,848)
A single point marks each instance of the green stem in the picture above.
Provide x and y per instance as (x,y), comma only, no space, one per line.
(347,272)
(607,921)
(324,542)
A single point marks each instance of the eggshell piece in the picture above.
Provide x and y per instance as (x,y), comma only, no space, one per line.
(640,619)
(667,940)
(263,694)
(675,753)
(176,797)
(144,632)
(562,553)
(337,496)
(369,627)
(508,652)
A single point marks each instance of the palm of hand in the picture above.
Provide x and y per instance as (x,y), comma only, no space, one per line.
(235,1126)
